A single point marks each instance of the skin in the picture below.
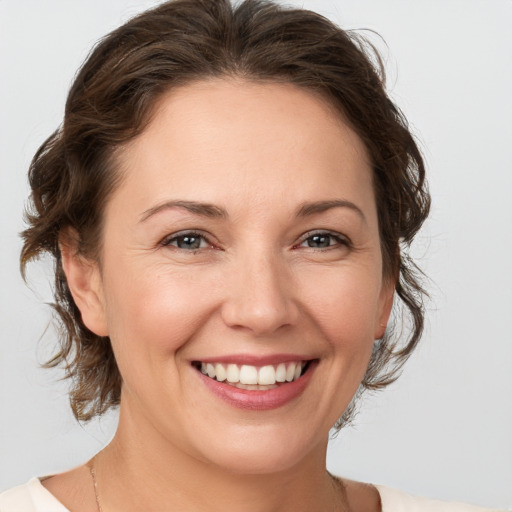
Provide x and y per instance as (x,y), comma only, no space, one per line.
(259,152)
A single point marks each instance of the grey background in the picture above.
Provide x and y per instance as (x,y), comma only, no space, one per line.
(444,429)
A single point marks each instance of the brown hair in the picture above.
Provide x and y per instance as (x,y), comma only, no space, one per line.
(110,102)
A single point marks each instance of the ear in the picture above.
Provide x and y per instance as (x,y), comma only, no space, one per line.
(85,284)
(387,295)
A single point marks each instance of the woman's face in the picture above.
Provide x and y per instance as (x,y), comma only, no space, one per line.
(243,241)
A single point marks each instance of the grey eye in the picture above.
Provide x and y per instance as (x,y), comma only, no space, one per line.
(320,241)
(187,241)
(324,240)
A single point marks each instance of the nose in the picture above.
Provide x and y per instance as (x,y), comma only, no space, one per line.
(260,296)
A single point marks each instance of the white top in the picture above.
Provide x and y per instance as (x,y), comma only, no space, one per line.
(397,501)
(33,497)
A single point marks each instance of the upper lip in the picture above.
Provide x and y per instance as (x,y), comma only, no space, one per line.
(254,360)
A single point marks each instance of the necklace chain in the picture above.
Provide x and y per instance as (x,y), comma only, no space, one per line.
(92,469)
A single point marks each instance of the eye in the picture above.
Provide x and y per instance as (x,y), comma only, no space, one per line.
(323,240)
(189,241)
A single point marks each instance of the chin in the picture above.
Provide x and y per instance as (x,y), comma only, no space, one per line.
(262,451)
(258,463)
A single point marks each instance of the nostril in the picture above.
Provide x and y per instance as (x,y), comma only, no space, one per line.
(247,314)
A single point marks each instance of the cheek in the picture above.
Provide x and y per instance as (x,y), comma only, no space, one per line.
(154,312)
(344,306)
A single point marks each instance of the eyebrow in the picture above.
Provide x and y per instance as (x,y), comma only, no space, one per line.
(212,211)
(322,206)
(203,209)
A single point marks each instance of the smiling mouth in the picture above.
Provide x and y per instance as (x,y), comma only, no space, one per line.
(254,377)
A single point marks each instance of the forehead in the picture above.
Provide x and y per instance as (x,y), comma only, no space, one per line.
(266,140)
(281,108)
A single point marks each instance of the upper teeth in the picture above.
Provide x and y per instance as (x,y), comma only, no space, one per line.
(247,374)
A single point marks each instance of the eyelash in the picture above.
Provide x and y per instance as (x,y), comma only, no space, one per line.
(168,241)
(339,239)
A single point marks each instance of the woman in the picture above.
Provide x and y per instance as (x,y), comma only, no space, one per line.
(229,204)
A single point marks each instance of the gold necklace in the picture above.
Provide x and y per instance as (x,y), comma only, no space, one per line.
(92,470)
(338,483)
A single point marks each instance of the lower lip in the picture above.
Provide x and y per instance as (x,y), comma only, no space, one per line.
(259,400)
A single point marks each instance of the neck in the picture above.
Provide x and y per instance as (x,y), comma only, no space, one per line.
(140,468)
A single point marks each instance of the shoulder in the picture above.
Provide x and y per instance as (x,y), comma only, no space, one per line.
(397,501)
(29,497)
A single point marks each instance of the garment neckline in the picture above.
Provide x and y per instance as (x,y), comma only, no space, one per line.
(36,484)
(37,488)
